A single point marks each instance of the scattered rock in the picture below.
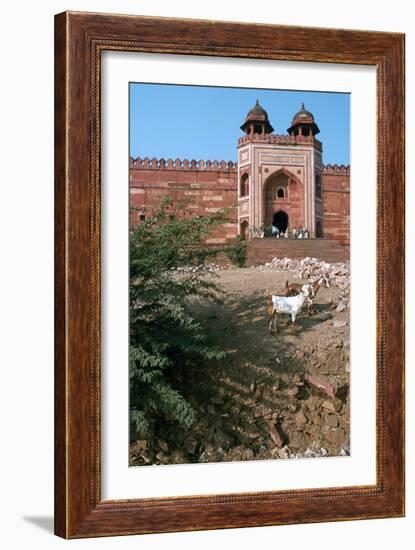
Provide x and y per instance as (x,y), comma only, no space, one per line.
(177,457)
(247,454)
(332,420)
(282,453)
(161,457)
(297,440)
(275,436)
(235,453)
(139,446)
(333,405)
(315,418)
(300,418)
(321,384)
(336,437)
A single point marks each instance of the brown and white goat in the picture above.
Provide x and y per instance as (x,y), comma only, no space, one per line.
(285,304)
(292,289)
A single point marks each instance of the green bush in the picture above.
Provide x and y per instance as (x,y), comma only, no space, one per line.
(165,339)
(237,252)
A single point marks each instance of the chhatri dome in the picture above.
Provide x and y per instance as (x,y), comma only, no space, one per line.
(303,123)
(257,121)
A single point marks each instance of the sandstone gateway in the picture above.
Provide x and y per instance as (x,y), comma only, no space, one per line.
(279,180)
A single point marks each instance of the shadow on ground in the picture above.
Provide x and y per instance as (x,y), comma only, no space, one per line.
(43,522)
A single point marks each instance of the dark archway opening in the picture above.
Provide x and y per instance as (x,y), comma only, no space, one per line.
(280,220)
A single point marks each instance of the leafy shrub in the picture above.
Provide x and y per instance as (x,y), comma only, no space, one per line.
(237,252)
(165,338)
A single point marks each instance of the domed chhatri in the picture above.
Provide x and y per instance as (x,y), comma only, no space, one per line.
(302,116)
(303,123)
(257,121)
(257,111)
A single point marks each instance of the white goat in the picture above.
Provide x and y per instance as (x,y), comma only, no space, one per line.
(285,304)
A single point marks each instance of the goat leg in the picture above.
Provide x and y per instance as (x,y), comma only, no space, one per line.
(275,322)
(272,325)
(293,325)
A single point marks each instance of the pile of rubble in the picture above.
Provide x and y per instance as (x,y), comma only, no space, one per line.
(315,451)
(208,267)
(283,415)
(338,274)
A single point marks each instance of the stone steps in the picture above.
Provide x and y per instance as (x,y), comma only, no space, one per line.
(261,251)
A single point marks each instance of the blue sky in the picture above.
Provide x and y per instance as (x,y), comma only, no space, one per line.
(200,122)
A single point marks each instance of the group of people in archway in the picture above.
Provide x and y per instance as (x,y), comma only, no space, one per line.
(301,233)
(280,227)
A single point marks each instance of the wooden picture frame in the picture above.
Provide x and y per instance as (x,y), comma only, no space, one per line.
(79,40)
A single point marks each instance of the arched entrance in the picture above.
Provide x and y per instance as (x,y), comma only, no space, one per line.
(280,220)
(283,192)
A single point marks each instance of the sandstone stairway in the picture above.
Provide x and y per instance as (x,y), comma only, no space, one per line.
(261,251)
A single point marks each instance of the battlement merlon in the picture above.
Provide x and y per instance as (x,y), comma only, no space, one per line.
(280,139)
(178,164)
(336,170)
(218,166)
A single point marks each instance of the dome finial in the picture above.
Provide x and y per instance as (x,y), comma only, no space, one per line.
(305,119)
(259,116)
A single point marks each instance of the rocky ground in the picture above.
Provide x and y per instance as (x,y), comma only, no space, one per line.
(276,396)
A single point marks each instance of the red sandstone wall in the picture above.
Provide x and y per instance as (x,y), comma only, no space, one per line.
(336,203)
(208,187)
(211,186)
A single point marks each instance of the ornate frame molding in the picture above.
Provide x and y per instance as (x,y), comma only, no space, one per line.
(79,40)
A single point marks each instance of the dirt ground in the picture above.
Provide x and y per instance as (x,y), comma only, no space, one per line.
(276,396)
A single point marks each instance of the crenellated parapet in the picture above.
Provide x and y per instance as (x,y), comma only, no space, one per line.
(336,170)
(178,164)
(280,139)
